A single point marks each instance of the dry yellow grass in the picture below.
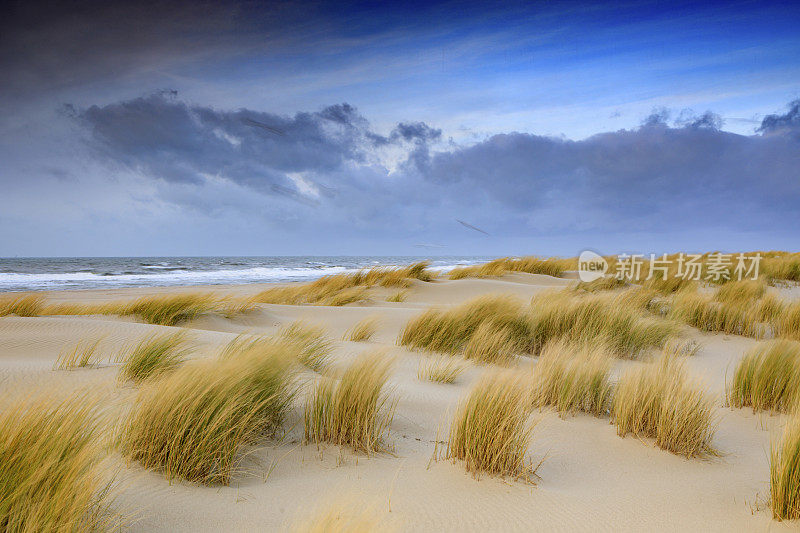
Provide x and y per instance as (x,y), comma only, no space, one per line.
(491,344)
(532,265)
(22,305)
(658,401)
(606,283)
(52,476)
(399,296)
(704,312)
(768,377)
(787,323)
(81,356)
(355,410)
(153,356)
(342,289)
(573,378)
(313,346)
(780,266)
(784,472)
(363,330)
(490,431)
(192,423)
(441,369)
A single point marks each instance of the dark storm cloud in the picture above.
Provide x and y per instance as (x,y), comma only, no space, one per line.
(166,138)
(654,177)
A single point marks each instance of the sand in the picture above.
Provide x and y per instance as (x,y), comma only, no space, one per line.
(591,479)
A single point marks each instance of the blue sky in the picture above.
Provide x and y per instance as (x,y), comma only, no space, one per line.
(125,130)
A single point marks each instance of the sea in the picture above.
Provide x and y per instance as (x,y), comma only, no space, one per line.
(63,273)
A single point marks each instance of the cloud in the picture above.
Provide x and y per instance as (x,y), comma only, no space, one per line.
(653,178)
(788,122)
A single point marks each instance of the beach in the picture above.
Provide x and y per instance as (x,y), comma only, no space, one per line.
(589,478)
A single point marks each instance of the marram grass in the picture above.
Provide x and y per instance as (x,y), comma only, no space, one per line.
(192,423)
(658,401)
(153,356)
(354,411)
(441,369)
(313,346)
(784,472)
(573,377)
(81,356)
(22,305)
(490,432)
(363,330)
(52,476)
(768,377)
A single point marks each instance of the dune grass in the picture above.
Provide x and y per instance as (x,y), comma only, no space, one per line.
(616,319)
(363,330)
(192,423)
(658,401)
(606,283)
(767,378)
(573,377)
(313,346)
(440,369)
(450,330)
(153,356)
(738,317)
(81,356)
(399,296)
(784,472)
(342,289)
(52,472)
(532,265)
(354,411)
(22,305)
(787,323)
(501,325)
(171,310)
(490,432)
(741,290)
(781,266)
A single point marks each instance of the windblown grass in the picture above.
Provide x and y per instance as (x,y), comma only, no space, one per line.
(490,431)
(192,423)
(659,402)
(532,265)
(573,378)
(80,356)
(399,296)
(451,330)
(355,410)
(615,319)
(768,377)
(171,310)
(606,283)
(784,473)
(22,305)
(342,289)
(312,344)
(363,330)
(787,323)
(441,369)
(52,476)
(741,291)
(153,356)
(781,266)
(490,328)
(748,318)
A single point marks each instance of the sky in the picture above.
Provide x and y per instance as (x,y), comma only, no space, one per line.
(455,128)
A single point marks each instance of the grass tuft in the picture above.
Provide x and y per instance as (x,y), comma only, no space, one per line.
(573,378)
(363,330)
(171,310)
(22,305)
(153,356)
(784,473)
(192,423)
(399,296)
(312,344)
(52,476)
(767,378)
(80,356)
(659,402)
(491,344)
(490,431)
(355,410)
(441,369)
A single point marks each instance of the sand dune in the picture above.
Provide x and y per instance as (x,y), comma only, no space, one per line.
(590,478)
